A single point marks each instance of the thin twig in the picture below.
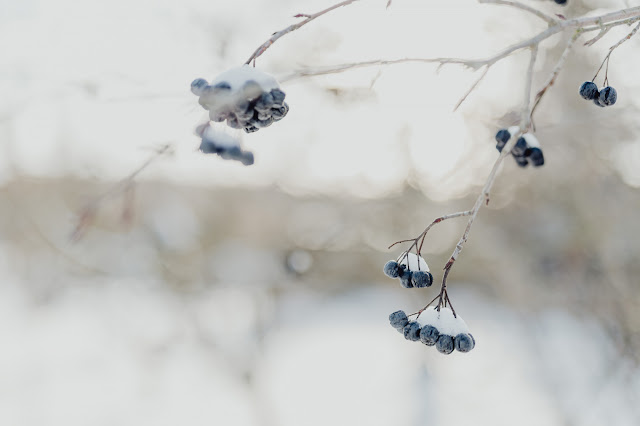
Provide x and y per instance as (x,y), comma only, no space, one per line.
(549,19)
(472,88)
(555,72)
(611,49)
(88,212)
(264,46)
(620,17)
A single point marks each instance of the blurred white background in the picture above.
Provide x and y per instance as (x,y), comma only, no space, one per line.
(211,293)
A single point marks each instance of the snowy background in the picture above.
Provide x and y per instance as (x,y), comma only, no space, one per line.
(211,293)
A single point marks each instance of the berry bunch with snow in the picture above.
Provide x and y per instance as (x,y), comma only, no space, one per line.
(434,326)
(222,144)
(245,97)
(412,271)
(526,150)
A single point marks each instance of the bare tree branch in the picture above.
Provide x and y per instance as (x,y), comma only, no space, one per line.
(549,19)
(264,46)
(584,24)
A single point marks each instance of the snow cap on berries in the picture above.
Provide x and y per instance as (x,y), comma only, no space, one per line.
(444,321)
(414,262)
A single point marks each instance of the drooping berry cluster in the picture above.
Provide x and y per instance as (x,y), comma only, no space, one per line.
(412,271)
(433,327)
(526,150)
(605,97)
(222,144)
(245,97)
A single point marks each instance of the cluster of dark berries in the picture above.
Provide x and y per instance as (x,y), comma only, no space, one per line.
(435,328)
(605,97)
(412,272)
(526,150)
(222,144)
(245,97)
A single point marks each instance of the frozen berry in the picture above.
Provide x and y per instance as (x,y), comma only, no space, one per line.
(278,113)
(502,137)
(589,90)
(278,96)
(444,344)
(222,86)
(536,158)
(463,342)
(247,158)
(412,331)
(198,85)
(608,96)
(562,2)
(265,103)
(597,102)
(521,161)
(208,147)
(519,148)
(406,279)
(398,319)
(263,123)
(422,279)
(429,335)
(391,269)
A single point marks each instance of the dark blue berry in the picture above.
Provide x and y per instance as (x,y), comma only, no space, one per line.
(398,319)
(429,335)
(589,90)
(536,158)
(223,86)
(406,279)
(521,161)
(391,269)
(263,123)
(198,86)
(412,331)
(608,96)
(232,153)
(208,147)
(278,96)
(463,342)
(502,137)
(247,158)
(265,103)
(422,279)
(444,344)
(519,148)
(562,2)
(279,112)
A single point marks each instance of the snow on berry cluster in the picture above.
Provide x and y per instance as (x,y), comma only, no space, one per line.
(245,97)
(222,144)
(412,271)
(526,150)
(605,97)
(435,327)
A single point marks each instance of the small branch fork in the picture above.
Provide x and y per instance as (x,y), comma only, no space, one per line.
(611,49)
(483,198)
(124,186)
(308,18)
